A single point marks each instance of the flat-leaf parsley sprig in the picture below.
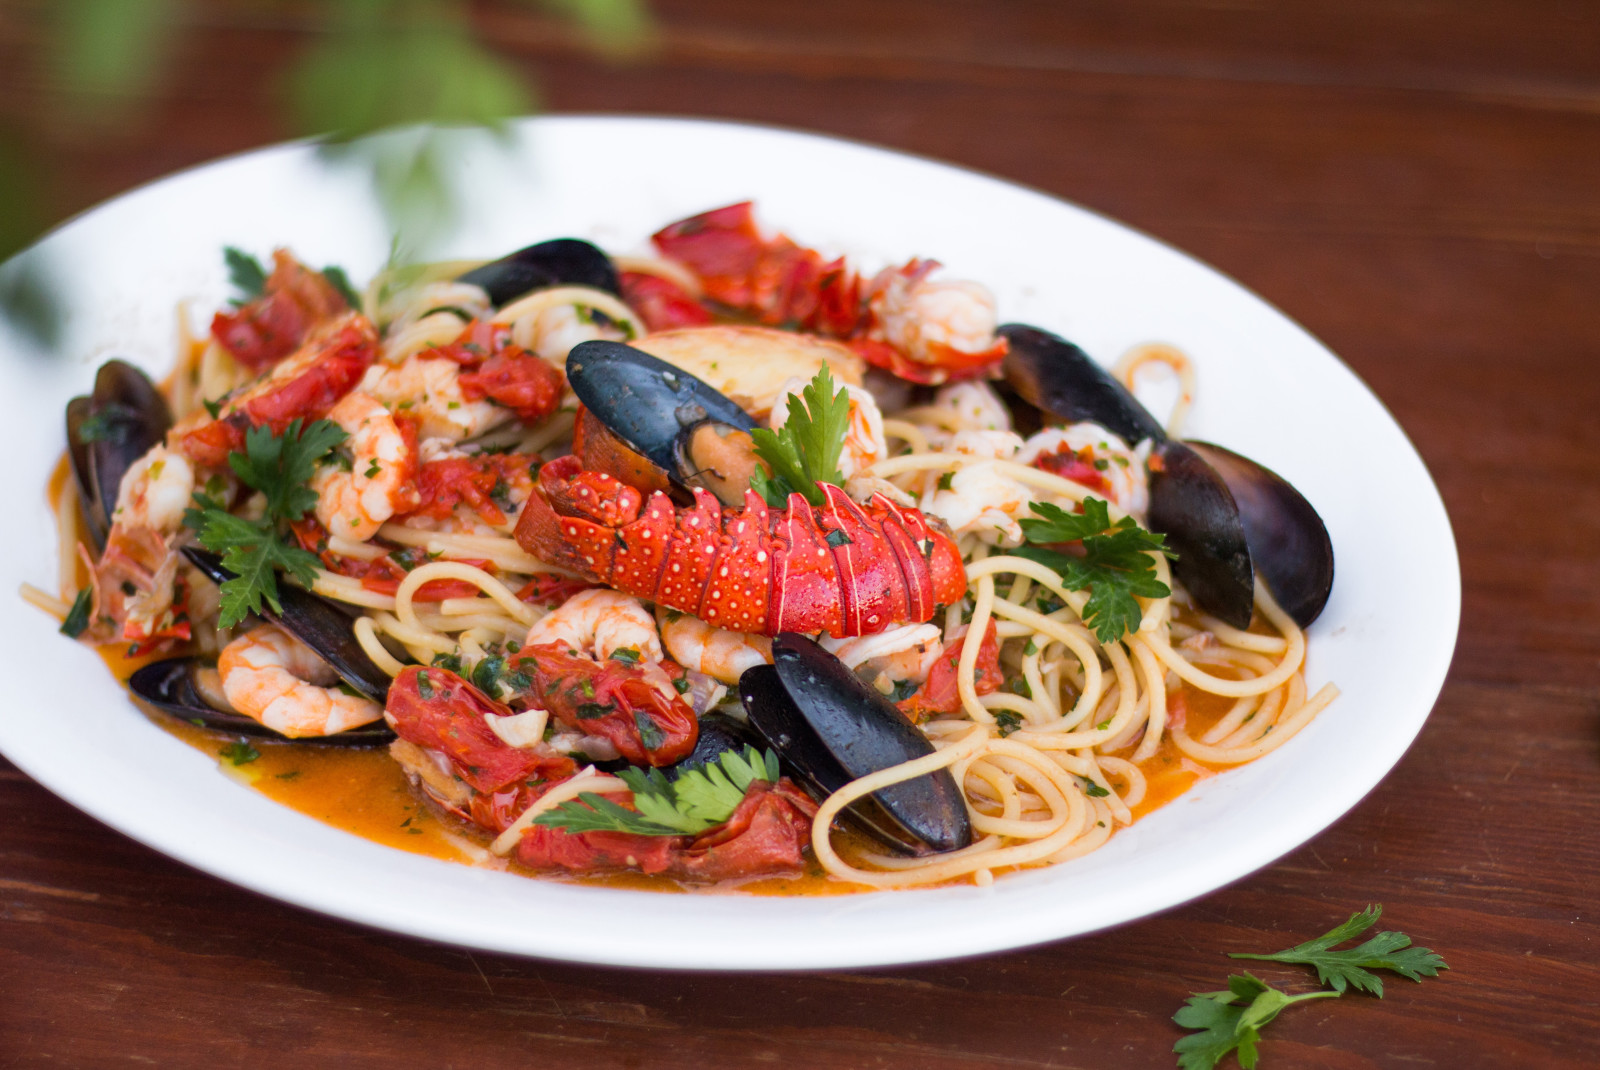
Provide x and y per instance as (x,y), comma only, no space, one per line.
(805,450)
(280,467)
(1115,567)
(698,800)
(1231,1020)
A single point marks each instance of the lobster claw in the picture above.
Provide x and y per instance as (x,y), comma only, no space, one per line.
(1228,518)
(829,727)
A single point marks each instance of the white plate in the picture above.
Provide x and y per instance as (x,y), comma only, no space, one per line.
(1267,389)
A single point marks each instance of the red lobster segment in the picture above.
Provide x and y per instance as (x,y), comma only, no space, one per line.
(843,568)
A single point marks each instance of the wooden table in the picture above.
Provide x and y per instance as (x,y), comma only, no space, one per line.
(1418,184)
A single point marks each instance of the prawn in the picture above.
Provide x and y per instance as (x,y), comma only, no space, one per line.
(1091,456)
(381,479)
(134,581)
(716,652)
(430,388)
(271,677)
(600,622)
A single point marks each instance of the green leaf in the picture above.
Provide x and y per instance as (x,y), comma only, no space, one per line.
(341,282)
(245,272)
(1115,567)
(699,799)
(252,552)
(281,466)
(1351,967)
(805,450)
(78,617)
(1231,1020)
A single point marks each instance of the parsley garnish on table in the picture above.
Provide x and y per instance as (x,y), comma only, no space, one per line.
(1231,1020)
(280,467)
(698,800)
(805,450)
(1115,567)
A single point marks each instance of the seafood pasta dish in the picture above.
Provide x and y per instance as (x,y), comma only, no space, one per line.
(727,563)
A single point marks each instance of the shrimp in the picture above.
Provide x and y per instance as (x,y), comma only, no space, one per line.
(271,677)
(381,480)
(600,622)
(716,652)
(134,580)
(971,405)
(903,654)
(978,499)
(930,322)
(556,330)
(1088,454)
(864,444)
(429,389)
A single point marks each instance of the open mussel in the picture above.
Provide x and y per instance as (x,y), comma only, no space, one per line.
(560,262)
(829,727)
(316,622)
(1227,517)
(689,433)
(108,431)
(189,687)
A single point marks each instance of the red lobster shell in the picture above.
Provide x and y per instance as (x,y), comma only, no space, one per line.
(843,568)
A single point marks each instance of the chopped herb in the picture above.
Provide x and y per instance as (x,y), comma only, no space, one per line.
(486,674)
(804,452)
(1101,464)
(245,274)
(903,689)
(1008,721)
(837,537)
(947,480)
(1018,685)
(1116,566)
(699,799)
(78,617)
(627,655)
(293,774)
(1030,649)
(588,711)
(1103,725)
(373,469)
(452,662)
(424,685)
(1091,789)
(240,753)
(213,408)
(650,735)
(682,684)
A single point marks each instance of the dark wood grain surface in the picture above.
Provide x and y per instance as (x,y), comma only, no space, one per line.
(1417,183)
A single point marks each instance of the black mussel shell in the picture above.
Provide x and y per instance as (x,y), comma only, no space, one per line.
(316,622)
(829,728)
(1289,544)
(1052,374)
(107,432)
(169,687)
(1225,516)
(561,262)
(719,734)
(650,405)
(1191,505)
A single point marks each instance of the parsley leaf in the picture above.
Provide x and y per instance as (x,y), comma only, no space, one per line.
(281,466)
(245,273)
(341,282)
(805,450)
(701,798)
(1115,566)
(1352,966)
(78,617)
(1231,1019)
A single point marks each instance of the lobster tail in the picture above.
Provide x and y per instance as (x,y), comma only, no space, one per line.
(842,568)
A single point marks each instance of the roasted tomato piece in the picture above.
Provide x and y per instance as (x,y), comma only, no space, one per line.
(661,303)
(294,300)
(940,692)
(644,718)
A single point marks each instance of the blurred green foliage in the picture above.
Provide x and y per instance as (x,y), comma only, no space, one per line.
(384,84)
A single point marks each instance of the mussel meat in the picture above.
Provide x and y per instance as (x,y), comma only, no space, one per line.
(107,431)
(829,727)
(1227,517)
(559,262)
